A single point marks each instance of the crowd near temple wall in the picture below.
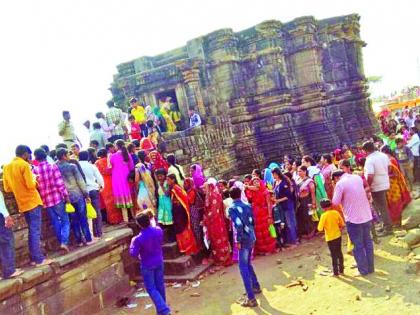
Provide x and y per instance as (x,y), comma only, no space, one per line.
(272,89)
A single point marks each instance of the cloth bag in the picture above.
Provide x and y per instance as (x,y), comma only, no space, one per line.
(90,211)
(70,208)
(272,231)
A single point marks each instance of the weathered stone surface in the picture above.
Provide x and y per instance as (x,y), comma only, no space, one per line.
(109,295)
(270,90)
(107,277)
(410,217)
(8,287)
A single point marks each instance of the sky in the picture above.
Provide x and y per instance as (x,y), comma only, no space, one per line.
(61,54)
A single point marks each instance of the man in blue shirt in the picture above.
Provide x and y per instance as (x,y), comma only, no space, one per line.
(147,246)
(241,215)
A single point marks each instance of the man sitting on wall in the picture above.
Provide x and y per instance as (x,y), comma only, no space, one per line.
(195,119)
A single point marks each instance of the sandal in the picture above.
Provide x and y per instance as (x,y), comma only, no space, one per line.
(17,273)
(45,262)
(249,303)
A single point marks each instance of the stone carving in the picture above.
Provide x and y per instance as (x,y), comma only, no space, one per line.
(272,89)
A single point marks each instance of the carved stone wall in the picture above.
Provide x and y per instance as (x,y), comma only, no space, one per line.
(273,89)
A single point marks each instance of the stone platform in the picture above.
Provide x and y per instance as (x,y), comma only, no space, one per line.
(82,282)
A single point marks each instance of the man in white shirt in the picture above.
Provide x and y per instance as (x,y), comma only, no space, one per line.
(94,183)
(377,175)
(107,129)
(7,243)
(195,119)
(414,145)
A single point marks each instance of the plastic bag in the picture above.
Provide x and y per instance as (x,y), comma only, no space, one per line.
(272,231)
(70,208)
(90,211)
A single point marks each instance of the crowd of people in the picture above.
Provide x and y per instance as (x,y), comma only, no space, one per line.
(124,177)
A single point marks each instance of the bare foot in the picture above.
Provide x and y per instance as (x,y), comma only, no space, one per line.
(91,242)
(45,262)
(65,248)
(17,273)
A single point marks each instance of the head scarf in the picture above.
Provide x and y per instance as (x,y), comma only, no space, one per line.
(189,184)
(273,165)
(158,161)
(198,176)
(240,185)
(268,178)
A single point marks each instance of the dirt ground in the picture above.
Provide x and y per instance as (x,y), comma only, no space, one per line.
(390,290)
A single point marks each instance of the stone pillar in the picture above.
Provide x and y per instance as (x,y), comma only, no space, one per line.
(191,79)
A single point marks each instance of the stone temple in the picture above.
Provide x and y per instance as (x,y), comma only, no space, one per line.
(272,89)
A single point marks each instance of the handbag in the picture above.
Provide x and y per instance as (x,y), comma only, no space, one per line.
(90,211)
(70,208)
(272,231)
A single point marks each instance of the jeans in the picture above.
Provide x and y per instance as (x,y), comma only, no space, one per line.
(363,246)
(336,255)
(381,205)
(155,286)
(60,222)
(33,219)
(7,250)
(97,223)
(79,222)
(291,225)
(247,271)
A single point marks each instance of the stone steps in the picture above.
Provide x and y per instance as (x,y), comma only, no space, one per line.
(179,266)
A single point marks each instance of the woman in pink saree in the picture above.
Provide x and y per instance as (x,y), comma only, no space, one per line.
(121,164)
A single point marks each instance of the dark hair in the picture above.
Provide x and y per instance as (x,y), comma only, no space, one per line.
(308,159)
(160,171)
(22,149)
(226,194)
(94,142)
(133,100)
(83,156)
(102,153)
(136,143)
(414,129)
(399,140)
(108,146)
(61,146)
(131,117)
(304,169)
(40,154)
(298,162)
(345,163)
(258,172)
(248,176)
(386,149)
(170,158)
(235,193)
(121,146)
(173,177)
(368,146)
(325,203)
(142,155)
(231,182)
(61,153)
(223,182)
(131,148)
(75,145)
(110,103)
(45,148)
(150,123)
(336,174)
(328,158)
(96,125)
(99,115)
(65,113)
(316,157)
(143,220)
(53,154)
(277,171)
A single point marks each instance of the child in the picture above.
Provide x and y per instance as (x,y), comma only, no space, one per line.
(332,223)
(405,159)
(147,246)
(135,129)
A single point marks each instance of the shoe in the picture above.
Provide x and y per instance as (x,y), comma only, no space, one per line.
(257,291)
(249,303)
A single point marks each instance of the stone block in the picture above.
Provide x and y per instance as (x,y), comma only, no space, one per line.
(107,277)
(87,306)
(9,287)
(178,266)
(11,305)
(37,275)
(119,289)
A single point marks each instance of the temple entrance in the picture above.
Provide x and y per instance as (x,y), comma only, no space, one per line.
(169,102)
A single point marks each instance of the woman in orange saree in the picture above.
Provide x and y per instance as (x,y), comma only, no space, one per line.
(113,215)
(181,216)
(398,195)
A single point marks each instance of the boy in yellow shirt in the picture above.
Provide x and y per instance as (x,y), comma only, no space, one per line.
(331,222)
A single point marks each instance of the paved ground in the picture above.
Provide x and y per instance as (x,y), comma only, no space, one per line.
(391,290)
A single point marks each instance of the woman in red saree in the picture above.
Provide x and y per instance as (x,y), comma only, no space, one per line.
(261,204)
(214,222)
(113,215)
(398,195)
(157,161)
(181,216)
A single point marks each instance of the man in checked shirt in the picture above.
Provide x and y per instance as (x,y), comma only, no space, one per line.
(54,196)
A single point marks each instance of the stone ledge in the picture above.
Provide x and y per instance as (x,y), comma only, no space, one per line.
(38,275)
